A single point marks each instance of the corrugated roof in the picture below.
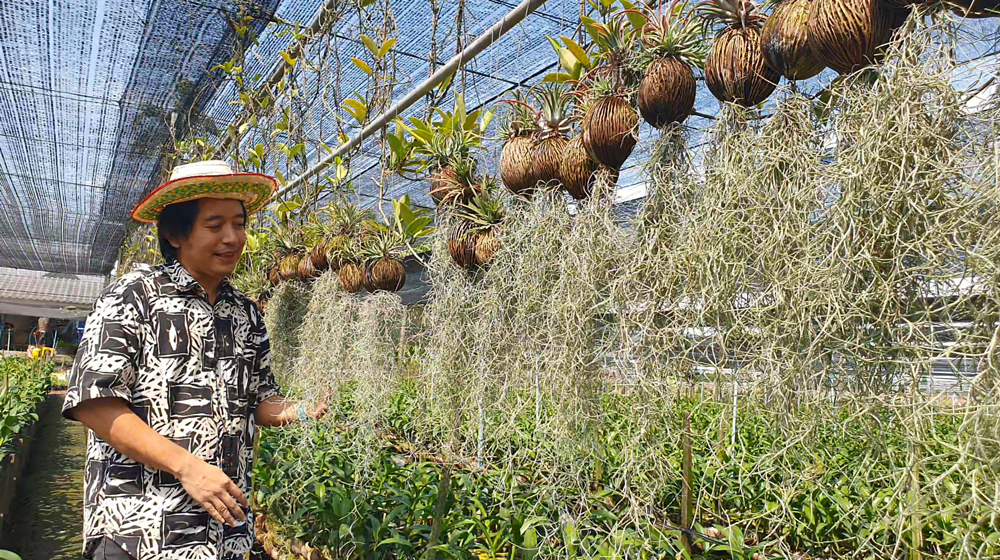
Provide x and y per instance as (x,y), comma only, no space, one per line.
(26,287)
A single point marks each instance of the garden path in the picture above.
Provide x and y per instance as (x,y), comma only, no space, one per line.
(46,516)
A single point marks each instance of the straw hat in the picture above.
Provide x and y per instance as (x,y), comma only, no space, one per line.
(207,179)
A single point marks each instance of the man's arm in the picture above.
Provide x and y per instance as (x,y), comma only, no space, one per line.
(114,422)
(278,411)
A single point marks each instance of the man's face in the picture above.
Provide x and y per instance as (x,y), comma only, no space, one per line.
(217,239)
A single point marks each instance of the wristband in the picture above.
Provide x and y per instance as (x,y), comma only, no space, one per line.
(302,413)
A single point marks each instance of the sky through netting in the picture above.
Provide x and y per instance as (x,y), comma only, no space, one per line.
(90,90)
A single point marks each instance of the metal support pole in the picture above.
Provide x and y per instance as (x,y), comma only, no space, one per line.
(491,36)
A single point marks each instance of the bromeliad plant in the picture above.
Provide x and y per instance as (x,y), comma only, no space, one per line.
(456,181)
(735,69)
(848,35)
(347,221)
(288,253)
(673,46)
(371,254)
(609,125)
(383,253)
(784,41)
(444,146)
(474,238)
(610,121)
(517,132)
(350,254)
(554,120)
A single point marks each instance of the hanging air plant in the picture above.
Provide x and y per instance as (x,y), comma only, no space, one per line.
(352,277)
(553,126)
(288,268)
(306,270)
(287,253)
(350,258)
(735,69)
(334,251)
(517,133)
(274,276)
(462,244)
(384,270)
(439,143)
(577,169)
(784,41)
(318,255)
(386,274)
(674,46)
(609,128)
(480,220)
(347,221)
(848,35)
(609,120)
(455,182)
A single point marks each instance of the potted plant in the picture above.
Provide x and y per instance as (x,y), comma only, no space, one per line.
(482,219)
(609,120)
(673,45)
(784,41)
(444,146)
(735,69)
(517,132)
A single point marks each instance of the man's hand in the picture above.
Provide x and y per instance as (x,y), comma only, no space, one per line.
(114,422)
(277,411)
(320,409)
(210,487)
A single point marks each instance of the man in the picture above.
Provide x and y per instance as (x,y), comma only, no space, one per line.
(171,376)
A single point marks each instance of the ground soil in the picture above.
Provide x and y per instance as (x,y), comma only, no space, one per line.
(46,516)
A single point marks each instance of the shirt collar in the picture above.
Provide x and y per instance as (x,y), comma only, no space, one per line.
(185,282)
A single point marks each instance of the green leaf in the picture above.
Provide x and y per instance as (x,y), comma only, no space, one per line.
(637,20)
(567,60)
(532,522)
(592,27)
(446,83)
(472,120)
(290,205)
(487,118)
(460,108)
(395,145)
(8,555)
(288,59)
(395,540)
(578,52)
(386,46)
(357,109)
(557,77)
(363,66)
(369,44)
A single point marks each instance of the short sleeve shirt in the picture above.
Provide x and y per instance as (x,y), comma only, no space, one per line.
(195,373)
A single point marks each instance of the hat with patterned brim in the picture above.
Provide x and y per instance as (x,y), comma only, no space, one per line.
(207,179)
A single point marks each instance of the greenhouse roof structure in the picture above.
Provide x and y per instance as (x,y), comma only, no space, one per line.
(48,294)
(91,92)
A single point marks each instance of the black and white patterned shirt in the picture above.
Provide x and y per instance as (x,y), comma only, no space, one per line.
(193,372)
